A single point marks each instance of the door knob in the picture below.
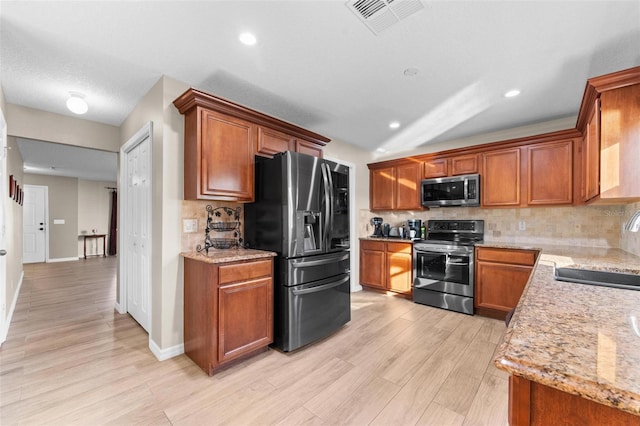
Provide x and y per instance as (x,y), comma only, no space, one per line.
(41,229)
(41,223)
(3,252)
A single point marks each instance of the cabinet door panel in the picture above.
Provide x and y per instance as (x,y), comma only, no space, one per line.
(305,147)
(400,270)
(591,155)
(620,143)
(372,267)
(550,173)
(408,177)
(499,286)
(501,178)
(382,188)
(436,168)
(246,317)
(271,142)
(464,165)
(227,157)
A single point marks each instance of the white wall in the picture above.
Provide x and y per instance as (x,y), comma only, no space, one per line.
(167,181)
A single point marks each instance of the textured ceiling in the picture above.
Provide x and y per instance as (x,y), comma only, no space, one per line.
(318,66)
(45,158)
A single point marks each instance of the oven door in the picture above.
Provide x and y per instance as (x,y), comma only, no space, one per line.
(444,269)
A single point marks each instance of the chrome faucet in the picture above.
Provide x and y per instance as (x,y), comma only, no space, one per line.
(634,223)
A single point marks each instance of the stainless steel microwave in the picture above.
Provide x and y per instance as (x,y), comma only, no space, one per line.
(463,190)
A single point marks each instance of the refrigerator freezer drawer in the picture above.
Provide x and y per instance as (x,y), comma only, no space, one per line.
(313,268)
(311,312)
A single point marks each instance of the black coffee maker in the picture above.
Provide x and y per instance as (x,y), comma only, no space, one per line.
(377,226)
(413,228)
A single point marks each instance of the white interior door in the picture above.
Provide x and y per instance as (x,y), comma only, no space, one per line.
(34,223)
(136,222)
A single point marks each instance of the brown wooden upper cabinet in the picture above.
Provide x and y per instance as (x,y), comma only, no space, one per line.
(608,120)
(550,173)
(218,157)
(395,187)
(530,175)
(451,166)
(500,181)
(271,142)
(221,139)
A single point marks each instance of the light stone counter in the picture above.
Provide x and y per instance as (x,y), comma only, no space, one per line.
(581,339)
(227,255)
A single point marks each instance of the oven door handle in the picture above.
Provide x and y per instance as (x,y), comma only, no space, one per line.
(320,287)
(456,261)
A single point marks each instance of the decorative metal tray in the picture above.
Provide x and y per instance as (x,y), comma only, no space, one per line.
(224,226)
(224,243)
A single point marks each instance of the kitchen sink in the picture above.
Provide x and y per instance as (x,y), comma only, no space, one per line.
(602,278)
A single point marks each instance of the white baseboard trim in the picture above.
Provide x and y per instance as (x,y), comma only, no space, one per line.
(7,323)
(356,288)
(119,308)
(62,259)
(164,354)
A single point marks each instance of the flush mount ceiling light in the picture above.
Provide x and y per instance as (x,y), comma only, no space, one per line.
(410,72)
(77,104)
(394,125)
(248,39)
(512,93)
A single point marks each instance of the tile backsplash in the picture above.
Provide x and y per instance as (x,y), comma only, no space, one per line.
(595,226)
(630,241)
(198,210)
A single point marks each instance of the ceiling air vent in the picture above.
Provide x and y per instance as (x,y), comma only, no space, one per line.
(378,15)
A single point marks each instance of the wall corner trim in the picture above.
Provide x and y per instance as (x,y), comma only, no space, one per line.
(7,323)
(164,354)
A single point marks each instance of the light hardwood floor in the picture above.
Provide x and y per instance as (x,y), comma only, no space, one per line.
(71,359)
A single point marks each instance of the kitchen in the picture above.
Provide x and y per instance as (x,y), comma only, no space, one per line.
(500,224)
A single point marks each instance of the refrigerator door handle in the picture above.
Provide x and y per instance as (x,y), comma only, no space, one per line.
(322,287)
(326,222)
(320,262)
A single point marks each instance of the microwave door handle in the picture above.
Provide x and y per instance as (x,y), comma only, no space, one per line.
(466,189)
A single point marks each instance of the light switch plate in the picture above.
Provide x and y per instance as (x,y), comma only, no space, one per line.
(58,221)
(189,225)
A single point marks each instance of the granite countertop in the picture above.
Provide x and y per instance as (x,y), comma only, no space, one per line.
(581,339)
(227,255)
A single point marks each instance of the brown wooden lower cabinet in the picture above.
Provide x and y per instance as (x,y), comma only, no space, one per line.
(501,275)
(386,265)
(228,310)
(532,403)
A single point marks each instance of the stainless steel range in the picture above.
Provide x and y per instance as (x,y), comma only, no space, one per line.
(443,264)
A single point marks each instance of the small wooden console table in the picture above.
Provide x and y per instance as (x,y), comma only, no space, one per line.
(95,236)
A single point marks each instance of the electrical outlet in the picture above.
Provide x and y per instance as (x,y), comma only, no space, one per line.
(189,226)
(522,225)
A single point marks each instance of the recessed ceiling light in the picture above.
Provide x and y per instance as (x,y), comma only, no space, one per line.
(394,125)
(77,104)
(512,93)
(248,39)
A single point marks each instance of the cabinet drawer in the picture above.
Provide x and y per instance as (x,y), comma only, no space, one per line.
(372,245)
(399,247)
(243,271)
(519,257)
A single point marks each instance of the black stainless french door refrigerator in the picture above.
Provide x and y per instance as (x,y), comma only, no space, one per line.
(301,211)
